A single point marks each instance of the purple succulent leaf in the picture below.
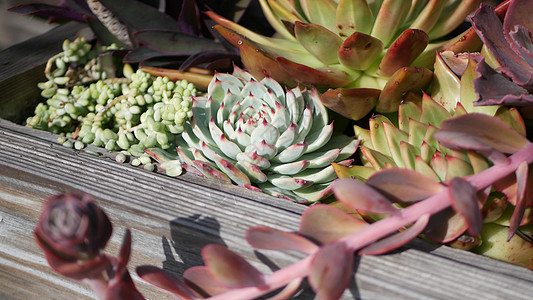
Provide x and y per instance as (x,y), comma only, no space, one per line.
(189,18)
(164,280)
(523,191)
(518,13)
(141,54)
(404,185)
(331,270)
(445,226)
(124,254)
(139,16)
(123,289)
(465,202)
(324,223)
(360,196)
(262,237)
(522,43)
(397,240)
(55,13)
(175,42)
(490,29)
(202,281)
(230,269)
(480,132)
(209,57)
(495,89)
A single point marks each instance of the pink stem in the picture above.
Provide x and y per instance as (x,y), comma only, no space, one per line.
(384,227)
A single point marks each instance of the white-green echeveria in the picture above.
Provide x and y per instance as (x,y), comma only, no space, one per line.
(256,133)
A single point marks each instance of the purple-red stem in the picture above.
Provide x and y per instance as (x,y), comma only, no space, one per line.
(384,227)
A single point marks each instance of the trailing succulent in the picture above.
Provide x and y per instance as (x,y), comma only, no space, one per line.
(249,131)
(368,53)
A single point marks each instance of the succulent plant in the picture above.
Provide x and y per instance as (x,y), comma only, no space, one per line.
(505,71)
(368,53)
(90,101)
(176,35)
(249,131)
(411,144)
(73,231)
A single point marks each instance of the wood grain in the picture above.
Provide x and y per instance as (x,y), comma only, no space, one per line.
(172,218)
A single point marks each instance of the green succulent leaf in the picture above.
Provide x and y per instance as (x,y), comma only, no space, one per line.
(313,36)
(359,51)
(390,17)
(403,51)
(351,103)
(321,12)
(353,16)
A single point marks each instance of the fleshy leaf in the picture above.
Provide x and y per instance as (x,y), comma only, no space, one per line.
(353,171)
(326,224)
(480,132)
(403,51)
(262,237)
(354,15)
(359,51)
(360,196)
(389,18)
(523,180)
(401,82)
(404,185)
(164,280)
(305,75)
(351,103)
(331,270)
(465,203)
(231,269)
(201,280)
(311,36)
(397,240)
(445,226)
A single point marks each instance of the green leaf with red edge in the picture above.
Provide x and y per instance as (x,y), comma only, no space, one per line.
(391,15)
(326,224)
(360,196)
(312,36)
(457,167)
(257,62)
(394,138)
(164,280)
(524,195)
(404,185)
(202,281)
(359,51)
(377,159)
(331,270)
(361,173)
(323,77)
(354,15)
(351,103)
(480,132)
(422,167)
(230,269)
(263,237)
(397,240)
(445,226)
(465,202)
(407,111)
(432,112)
(512,117)
(377,134)
(404,80)
(403,51)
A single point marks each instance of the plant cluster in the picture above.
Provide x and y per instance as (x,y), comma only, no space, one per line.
(90,102)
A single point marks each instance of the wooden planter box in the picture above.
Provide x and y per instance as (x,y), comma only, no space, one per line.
(172,218)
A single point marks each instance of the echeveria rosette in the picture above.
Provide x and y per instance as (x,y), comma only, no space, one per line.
(249,131)
(368,53)
(507,79)
(73,231)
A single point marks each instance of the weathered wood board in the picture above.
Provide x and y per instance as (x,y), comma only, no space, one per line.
(172,218)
